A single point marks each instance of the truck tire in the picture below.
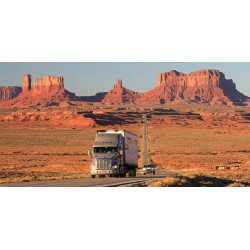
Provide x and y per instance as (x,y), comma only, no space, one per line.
(134,172)
(93,176)
(130,173)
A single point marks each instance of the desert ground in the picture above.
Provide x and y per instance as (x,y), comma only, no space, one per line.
(198,141)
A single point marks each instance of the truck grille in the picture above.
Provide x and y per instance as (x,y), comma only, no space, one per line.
(103,164)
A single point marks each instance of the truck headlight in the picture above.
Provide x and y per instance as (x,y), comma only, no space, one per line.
(114,167)
(94,163)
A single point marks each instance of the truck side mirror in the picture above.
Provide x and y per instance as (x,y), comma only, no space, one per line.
(89,153)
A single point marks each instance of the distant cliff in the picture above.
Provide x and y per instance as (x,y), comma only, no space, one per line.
(8,93)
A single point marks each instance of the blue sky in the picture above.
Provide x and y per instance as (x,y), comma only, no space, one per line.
(90,78)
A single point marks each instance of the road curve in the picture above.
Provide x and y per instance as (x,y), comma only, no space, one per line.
(88,182)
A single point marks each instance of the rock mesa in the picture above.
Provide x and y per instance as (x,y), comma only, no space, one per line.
(48,90)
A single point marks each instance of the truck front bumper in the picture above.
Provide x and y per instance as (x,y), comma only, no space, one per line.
(103,172)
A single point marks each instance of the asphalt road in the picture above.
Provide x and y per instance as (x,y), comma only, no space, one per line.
(145,140)
(89,182)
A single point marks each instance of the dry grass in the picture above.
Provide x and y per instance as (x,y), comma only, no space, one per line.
(200,151)
(195,180)
(168,182)
(31,177)
(45,154)
(220,140)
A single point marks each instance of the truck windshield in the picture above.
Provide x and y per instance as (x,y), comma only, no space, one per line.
(105,150)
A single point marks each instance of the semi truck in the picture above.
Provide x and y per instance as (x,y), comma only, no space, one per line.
(115,154)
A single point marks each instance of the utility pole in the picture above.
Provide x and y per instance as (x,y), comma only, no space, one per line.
(145,140)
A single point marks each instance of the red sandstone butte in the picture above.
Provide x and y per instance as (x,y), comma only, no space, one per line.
(48,90)
(26,86)
(119,94)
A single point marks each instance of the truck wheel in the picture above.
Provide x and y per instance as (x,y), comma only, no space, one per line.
(93,176)
(134,173)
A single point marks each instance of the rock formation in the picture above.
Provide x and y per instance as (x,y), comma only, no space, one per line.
(46,91)
(118,84)
(26,86)
(8,93)
(203,86)
(119,94)
(48,84)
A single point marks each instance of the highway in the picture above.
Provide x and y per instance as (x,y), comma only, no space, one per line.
(145,140)
(89,182)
